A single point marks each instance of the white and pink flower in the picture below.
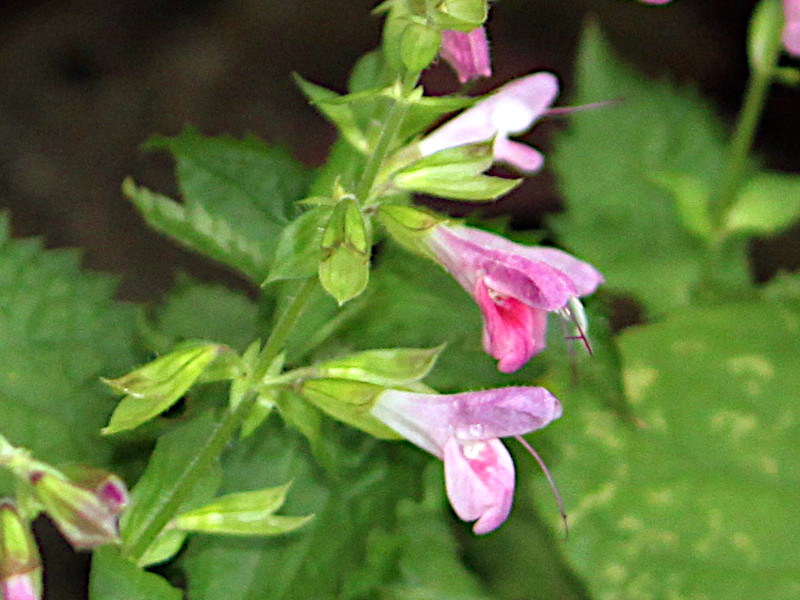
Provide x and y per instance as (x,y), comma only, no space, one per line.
(464,430)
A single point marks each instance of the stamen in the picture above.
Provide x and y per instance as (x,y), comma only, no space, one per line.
(567,110)
(550,480)
(574,312)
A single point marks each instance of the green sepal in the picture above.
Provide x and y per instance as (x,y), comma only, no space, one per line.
(764,35)
(340,114)
(767,203)
(462,15)
(156,386)
(349,402)
(19,554)
(346,247)
(300,247)
(693,199)
(243,513)
(409,226)
(419,45)
(392,367)
(455,173)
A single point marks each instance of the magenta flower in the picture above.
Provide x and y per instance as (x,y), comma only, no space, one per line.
(464,430)
(467,53)
(515,287)
(791,27)
(20,587)
(512,109)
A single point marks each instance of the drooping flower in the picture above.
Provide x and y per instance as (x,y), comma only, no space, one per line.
(515,287)
(791,27)
(464,430)
(85,511)
(511,110)
(467,53)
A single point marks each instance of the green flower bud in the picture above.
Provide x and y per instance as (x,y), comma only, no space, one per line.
(409,226)
(20,565)
(419,45)
(346,246)
(86,517)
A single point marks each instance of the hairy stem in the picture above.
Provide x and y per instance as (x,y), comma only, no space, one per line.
(223,432)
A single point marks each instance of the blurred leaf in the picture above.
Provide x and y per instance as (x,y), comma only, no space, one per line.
(237,197)
(116,578)
(693,200)
(243,513)
(698,501)
(196,310)
(617,217)
(60,330)
(768,203)
(764,35)
(315,561)
(173,454)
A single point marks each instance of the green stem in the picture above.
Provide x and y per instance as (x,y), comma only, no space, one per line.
(389,130)
(746,126)
(223,432)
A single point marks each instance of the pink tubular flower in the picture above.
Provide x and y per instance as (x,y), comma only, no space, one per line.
(20,587)
(464,430)
(467,53)
(512,109)
(791,28)
(515,287)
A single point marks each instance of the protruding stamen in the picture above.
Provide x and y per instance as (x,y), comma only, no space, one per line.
(550,480)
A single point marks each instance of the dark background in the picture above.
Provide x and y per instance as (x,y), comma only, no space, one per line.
(85,82)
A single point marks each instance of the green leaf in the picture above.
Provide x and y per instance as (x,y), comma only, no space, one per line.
(116,578)
(768,203)
(618,218)
(207,311)
(317,560)
(693,200)
(199,230)
(300,247)
(240,192)
(153,388)
(340,114)
(243,513)
(60,329)
(698,490)
(174,453)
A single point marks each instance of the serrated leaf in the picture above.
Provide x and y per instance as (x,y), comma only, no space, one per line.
(700,489)
(195,310)
(617,217)
(116,578)
(237,197)
(768,203)
(200,231)
(60,329)
(243,513)
(168,465)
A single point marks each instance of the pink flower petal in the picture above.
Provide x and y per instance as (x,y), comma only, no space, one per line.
(467,53)
(523,158)
(479,477)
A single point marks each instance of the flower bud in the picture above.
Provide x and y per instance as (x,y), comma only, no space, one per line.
(20,566)
(85,511)
(344,268)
